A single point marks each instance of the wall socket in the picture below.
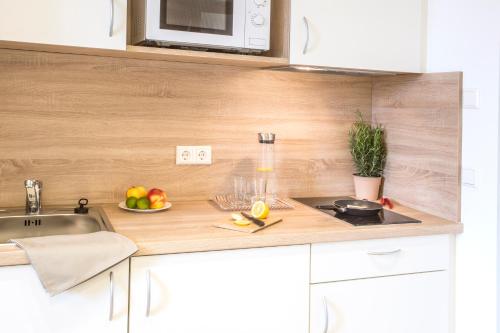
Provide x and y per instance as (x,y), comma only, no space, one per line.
(470,99)
(469,177)
(193,155)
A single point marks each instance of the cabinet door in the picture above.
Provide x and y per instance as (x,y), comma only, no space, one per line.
(387,35)
(262,290)
(412,303)
(25,307)
(88,23)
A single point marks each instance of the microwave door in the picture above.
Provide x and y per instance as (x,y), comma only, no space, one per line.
(197,22)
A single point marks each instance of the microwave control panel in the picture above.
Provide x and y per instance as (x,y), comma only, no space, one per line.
(258,24)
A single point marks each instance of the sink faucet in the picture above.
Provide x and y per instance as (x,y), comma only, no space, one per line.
(33,196)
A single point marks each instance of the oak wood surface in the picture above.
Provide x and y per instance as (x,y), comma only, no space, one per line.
(92,126)
(280,29)
(189,227)
(422,118)
(155,53)
(203,57)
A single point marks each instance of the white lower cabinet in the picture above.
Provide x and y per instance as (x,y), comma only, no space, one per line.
(395,285)
(99,305)
(399,285)
(412,303)
(379,257)
(264,290)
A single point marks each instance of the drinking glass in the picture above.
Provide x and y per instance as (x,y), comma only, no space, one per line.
(240,188)
(259,189)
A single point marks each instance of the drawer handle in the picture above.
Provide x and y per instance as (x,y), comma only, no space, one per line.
(111,296)
(325,329)
(384,253)
(148,293)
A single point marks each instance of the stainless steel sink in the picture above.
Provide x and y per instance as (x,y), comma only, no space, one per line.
(15,223)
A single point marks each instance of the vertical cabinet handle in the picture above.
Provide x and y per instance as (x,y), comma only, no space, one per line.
(111,16)
(306,44)
(111,295)
(325,329)
(148,292)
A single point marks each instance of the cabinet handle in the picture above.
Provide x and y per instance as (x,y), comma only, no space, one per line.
(111,295)
(148,292)
(111,16)
(384,253)
(306,45)
(325,329)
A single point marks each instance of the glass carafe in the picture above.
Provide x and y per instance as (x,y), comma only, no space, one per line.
(266,173)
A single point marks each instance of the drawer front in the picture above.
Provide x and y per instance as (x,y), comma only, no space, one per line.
(409,303)
(379,257)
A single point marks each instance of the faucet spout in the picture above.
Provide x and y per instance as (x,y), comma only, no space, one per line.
(33,196)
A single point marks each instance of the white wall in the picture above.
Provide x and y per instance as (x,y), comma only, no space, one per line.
(465,36)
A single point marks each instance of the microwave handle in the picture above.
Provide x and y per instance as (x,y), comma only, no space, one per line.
(111,16)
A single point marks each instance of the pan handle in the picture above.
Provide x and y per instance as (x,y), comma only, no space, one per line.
(335,207)
(339,209)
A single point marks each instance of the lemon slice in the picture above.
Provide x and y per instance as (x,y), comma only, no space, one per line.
(241,223)
(236,217)
(260,210)
(239,220)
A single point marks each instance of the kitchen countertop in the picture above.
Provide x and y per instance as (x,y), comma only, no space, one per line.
(188,227)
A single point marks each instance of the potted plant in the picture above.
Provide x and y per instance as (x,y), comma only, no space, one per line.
(367,145)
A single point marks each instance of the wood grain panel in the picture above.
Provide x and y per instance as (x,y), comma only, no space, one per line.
(422,117)
(91,126)
(280,29)
(188,227)
(154,53)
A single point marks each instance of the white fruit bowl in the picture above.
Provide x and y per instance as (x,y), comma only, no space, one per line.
(123,206)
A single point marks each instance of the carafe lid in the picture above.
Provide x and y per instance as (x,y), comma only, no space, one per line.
(266,138)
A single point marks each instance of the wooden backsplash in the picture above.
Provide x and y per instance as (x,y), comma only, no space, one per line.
(92,126)
(422,118)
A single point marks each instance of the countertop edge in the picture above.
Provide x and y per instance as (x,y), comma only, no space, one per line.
(11,255)
(294,239)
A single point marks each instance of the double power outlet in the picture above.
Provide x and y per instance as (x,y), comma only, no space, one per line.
(193,155)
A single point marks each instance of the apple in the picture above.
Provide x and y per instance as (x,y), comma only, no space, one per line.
(157,198)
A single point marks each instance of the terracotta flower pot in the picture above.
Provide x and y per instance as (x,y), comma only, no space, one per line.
(367,187)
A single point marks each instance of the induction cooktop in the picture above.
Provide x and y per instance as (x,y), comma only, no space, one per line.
(384,217)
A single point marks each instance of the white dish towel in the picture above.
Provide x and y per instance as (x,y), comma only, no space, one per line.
(65,261)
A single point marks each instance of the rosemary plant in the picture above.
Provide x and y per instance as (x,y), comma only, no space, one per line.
(367,144)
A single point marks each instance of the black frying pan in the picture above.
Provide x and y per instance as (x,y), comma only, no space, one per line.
(354,207)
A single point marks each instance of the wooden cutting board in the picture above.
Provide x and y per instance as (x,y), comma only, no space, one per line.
(251,228)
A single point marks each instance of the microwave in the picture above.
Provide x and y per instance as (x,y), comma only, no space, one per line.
(233,25)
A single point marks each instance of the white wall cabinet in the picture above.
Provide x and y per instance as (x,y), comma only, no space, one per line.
(25,307)
(412,303)
(384,35)
(86,23)
(263,290)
